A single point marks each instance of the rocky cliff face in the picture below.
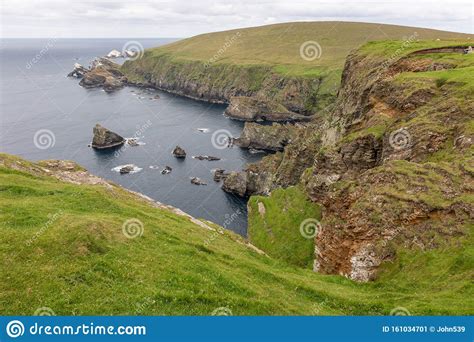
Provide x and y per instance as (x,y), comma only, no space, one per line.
(392,165)
(253,92)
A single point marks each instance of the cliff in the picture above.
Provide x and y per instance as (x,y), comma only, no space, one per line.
(392,166)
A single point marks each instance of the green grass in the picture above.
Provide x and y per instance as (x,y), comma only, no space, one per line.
(279,45)
(277,230)
(62,246)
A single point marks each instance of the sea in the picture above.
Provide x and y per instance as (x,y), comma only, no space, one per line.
(46,115)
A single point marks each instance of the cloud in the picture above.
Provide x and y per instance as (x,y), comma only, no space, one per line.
(106,18)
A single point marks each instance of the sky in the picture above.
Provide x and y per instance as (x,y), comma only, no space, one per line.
(157,18)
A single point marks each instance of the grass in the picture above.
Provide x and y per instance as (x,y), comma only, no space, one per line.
(277,230)
(279,45)
(62,247)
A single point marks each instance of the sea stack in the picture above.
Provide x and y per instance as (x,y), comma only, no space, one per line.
(178,152)
(103,138)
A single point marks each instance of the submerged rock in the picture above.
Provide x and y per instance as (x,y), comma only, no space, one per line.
(103,138)
(179,152)
(197,181)
(210,158)
(166,170)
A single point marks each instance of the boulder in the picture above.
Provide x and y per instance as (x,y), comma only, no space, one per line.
(236,183)
(103,138)
(126,169)
(178,152)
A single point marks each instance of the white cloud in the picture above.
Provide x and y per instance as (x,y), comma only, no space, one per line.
(106,18)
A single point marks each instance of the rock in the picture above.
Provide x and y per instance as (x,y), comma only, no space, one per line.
(166,170)
(219,175)
(126,169)
(253,109)
(132,142)
(79,71)
(114,54)
(111,83)
(197,181)
(178,152)
(210,158)
(463,142)
(103,73)
(264,137)
(129,54)
(103,138)
(236,183)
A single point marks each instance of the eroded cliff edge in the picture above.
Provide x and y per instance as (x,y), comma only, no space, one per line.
(392,165)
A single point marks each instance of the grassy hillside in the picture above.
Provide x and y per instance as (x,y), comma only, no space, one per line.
(279,45)
(62,246)
(267,63)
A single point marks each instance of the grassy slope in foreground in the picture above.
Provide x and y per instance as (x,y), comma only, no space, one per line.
(79,262)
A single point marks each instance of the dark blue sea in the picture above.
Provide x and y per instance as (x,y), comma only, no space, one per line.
(45,115)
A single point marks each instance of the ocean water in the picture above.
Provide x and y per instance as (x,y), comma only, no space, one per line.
(45,115)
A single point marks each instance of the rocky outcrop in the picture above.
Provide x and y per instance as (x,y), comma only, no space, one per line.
(247,108)
(103,138)
(270,138)
(236,183)
(102,73)
(179,152)
(252,92)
